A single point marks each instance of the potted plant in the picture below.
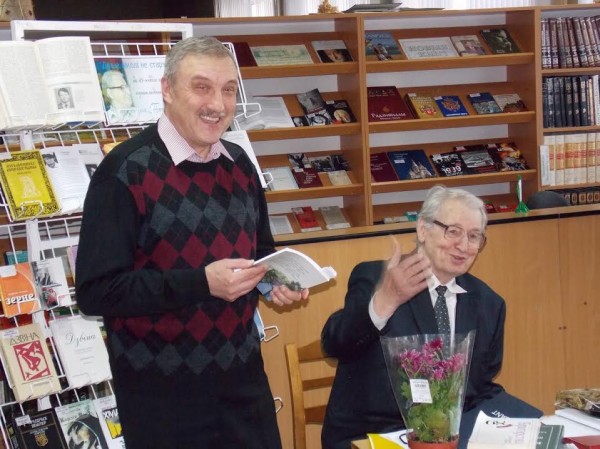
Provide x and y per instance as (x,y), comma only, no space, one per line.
(428,373)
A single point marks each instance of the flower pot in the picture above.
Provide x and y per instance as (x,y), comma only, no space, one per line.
(413,444)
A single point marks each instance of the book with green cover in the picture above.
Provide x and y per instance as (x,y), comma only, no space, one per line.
(550,436)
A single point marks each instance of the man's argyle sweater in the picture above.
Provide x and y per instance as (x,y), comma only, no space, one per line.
(149,229)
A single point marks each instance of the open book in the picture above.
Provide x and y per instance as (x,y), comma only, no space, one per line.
(48,82)
(293,269)
(492,432)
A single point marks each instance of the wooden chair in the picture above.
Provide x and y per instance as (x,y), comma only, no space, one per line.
(302,414)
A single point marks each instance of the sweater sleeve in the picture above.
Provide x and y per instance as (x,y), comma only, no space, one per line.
(106,282)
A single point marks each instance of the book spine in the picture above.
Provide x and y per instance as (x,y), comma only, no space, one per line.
(581,48)
(554,50)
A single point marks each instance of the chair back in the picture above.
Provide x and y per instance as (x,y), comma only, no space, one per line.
(302,414)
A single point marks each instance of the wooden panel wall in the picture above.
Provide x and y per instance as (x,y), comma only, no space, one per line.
(544,269)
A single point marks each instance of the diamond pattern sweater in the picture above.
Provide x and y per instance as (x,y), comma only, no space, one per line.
(148,231)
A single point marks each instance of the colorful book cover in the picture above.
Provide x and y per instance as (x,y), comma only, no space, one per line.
(332,50)
(381,168)
(311,101)
(451,105)
(385,103)
(307,220)
(51,282)
(108,415)
(449,164)
(411,164)
(80,424)
(468,45)
(484,103)
(18,291)
(507,157)
(340,112)
(510,102)
(381,46)
(478,161)
(26,185)
(423,105)
(499,41)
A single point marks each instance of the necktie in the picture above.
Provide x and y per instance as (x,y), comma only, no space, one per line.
(441,311)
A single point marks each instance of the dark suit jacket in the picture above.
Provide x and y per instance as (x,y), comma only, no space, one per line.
(362,399)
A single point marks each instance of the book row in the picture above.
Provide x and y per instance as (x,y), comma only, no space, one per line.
(571,158)
(571,101)
(580,196)
(307,220)
(308,171)
(83,88)
(569,42)
(50,181)
(86,423)
(30,366)
(387,103)
(401,165)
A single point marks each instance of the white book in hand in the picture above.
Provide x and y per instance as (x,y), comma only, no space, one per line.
(81,349)
(48,82)
(293,269)
(106,409)
(491,432)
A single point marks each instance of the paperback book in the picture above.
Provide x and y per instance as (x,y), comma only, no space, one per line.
(507,157)
(108,415)
(280,224)
(510,102)
(307,177)
(293,269)
(281,55)
(280,178)
(321,163)
(411,164)
(449,164)
(478,161)
(334,217)
(307,220)
(332,50)
(340,112)
(423,105)
(381,46)
(381,168)
(385,103)
(18,291)
(314,107)
(51,282)
(451,105)
(517,433)
(468,45)
(39,429)
(428,47)
(339,178)
(78,419)
(28,362)
(484,103)
(499,41)
(264,113)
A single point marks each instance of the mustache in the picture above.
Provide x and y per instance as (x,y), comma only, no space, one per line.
(212,114)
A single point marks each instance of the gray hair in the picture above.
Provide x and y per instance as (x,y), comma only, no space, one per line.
(438,195)
(197,46)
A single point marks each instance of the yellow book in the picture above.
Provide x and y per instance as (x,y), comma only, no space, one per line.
(392,440)
(26,185)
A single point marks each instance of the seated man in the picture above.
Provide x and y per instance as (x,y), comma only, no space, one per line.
(397,298)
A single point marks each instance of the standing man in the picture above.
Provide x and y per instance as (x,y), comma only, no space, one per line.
(397,298)
(172,222)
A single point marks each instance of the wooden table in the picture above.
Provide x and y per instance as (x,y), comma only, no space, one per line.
(361,444)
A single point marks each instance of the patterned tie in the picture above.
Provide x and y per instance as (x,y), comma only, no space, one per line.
(441,311)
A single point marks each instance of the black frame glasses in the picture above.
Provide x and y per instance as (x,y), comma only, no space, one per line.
(453,232)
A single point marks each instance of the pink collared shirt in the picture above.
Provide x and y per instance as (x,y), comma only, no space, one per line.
(180,150)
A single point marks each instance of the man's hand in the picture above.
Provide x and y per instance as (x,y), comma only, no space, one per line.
(229,279)
(404,277)
(281,295)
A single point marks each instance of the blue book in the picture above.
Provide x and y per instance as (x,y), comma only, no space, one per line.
(450,105)
(411,164)
(484,103)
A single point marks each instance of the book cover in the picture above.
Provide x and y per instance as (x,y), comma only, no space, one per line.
(381,46)
(280,224)
(243,54)
(510,102)
(517,433)
(584,441)
(18,291)
(449,164)
(131,88)
(499,41)
(72,259)
(307,177)
(40,429)
(81,349)
(385,103)
(334,217)
(321,163)
(468,45)
(507,157)
(392,440)
(428,47)
(478,161)
(332,50)
(339,178)
(51,282)
(423,105)
(14,257)
(484,103)
(91,154)
(298,160)
(311,101)
(340,162)
(263,113)
(293,269)
(26,185)
(268,55)
(411,164)
(381,168)
(80,424)
(28,362)
(451,105)
(280,178)
(340,112)
(307,220)
(550,436)
(300,120)
(108,415)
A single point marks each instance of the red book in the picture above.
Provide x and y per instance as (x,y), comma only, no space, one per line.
(381,168)
(385,103)
(306,218)
(584,442)
(307,177)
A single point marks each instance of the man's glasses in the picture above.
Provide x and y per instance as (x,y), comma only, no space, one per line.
(475,238)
